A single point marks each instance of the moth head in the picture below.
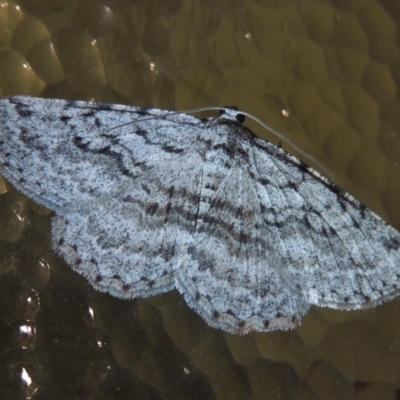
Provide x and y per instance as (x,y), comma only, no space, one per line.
(232,113)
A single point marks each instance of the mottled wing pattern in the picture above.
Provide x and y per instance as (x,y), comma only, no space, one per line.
(274,237)
(230,275)
(125,198)
(332,249)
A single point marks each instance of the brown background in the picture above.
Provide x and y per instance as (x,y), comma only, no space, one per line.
(324,73)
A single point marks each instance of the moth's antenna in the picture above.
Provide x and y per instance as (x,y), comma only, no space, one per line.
(278,134)
(294,146)
(167,114)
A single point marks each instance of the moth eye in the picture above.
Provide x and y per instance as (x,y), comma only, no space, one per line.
(240,118)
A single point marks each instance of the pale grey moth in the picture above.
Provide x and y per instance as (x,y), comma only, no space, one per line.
(248,234)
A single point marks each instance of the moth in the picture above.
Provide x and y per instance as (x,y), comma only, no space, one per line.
(147,201)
